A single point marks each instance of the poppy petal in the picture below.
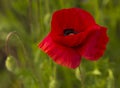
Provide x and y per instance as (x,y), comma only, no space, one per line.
(96,44)
(74,39)
(60,54)
(74,18)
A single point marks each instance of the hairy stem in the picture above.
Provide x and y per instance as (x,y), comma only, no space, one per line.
(82,76)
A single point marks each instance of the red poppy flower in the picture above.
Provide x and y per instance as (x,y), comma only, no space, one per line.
(74,34)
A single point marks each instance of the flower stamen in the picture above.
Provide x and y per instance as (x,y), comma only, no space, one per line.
(69,32)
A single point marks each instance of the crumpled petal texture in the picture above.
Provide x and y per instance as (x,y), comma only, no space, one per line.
(60,54)
(89,41)
(95,45)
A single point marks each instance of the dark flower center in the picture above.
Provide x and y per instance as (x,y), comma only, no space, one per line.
(69,32)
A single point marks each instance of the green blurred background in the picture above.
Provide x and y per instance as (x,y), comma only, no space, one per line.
(24,23)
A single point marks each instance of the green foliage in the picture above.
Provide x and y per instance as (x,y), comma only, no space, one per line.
(23,24)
